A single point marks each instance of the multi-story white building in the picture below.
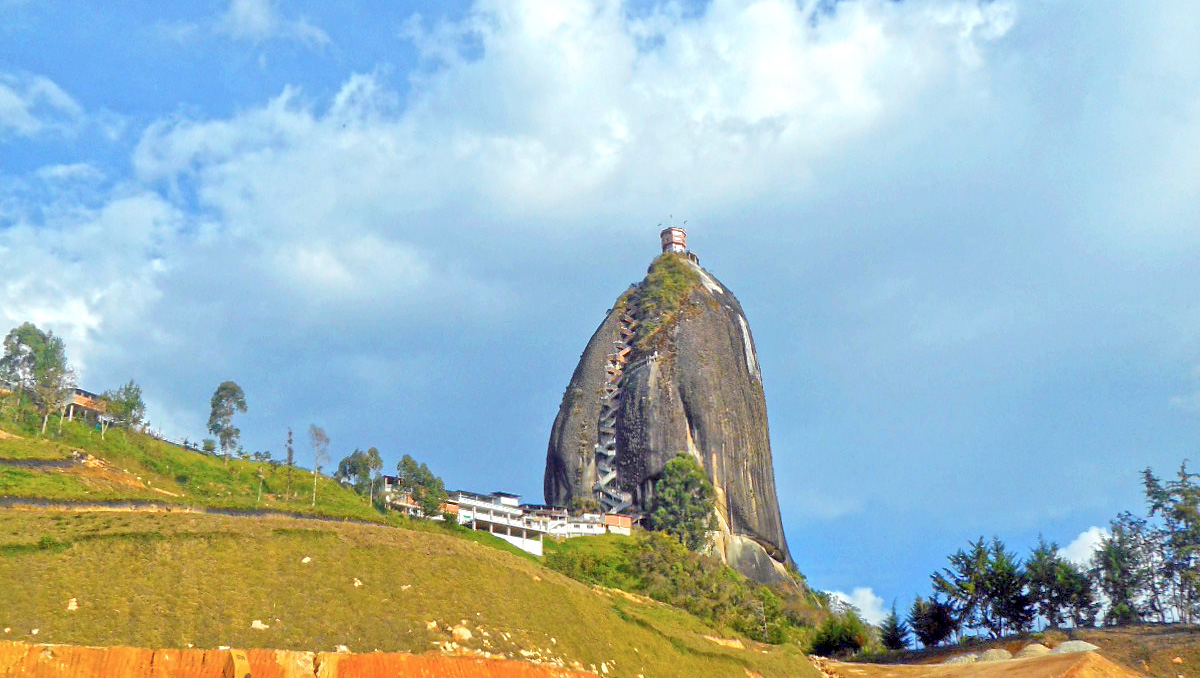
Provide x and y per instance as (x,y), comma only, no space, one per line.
(526,527)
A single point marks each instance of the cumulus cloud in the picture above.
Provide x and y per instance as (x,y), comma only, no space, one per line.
(32,105)
(612,106)
(1080,550)
(374,231)
(863,599)
(82,271)
(260,20)
(376,206)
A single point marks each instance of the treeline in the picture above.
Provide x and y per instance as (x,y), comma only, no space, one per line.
(35,373)
(34,368)
(1146,569)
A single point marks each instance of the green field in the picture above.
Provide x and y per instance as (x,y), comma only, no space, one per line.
(178,579)
(133,466)
(178,576)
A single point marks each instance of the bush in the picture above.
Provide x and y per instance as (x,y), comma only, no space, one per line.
(840,635)
(656,565)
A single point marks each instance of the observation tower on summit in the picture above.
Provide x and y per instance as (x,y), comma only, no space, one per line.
(674,239)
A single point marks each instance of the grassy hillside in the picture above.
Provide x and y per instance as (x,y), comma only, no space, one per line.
(173,579)
(133,466)
(176,579)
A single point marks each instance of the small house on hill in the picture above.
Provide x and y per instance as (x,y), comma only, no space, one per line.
(86,405)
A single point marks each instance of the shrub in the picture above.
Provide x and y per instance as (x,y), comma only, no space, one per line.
(840,635)
(656,565)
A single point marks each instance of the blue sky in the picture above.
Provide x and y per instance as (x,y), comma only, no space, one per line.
(964,233)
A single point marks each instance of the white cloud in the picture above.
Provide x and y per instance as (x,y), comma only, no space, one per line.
(260,20)
(32,105)
(76,171)
(83,271)
(1080,550)
(869,605)
(375,207)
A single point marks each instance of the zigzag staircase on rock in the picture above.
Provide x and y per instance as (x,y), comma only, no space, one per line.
(612,498)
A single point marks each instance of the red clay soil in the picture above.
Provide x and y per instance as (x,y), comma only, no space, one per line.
(1076,665)
(67,661)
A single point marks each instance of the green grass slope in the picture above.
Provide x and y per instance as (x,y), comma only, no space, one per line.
(133,466)
(180,579)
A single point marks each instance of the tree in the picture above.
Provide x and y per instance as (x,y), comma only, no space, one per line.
(1081,596)
(125,405)
(21,346)
(1170,556)
(964,584)
(1118,573)
(893,632)
(932,620)
(209,445)
(427,490)
(1047,582)
(355,469)
(35,363)
(1008,606)
(374,467)
(291,461)
(320,447)
(226,400)
(682,505)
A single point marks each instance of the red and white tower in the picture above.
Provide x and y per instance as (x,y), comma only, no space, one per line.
(674,239)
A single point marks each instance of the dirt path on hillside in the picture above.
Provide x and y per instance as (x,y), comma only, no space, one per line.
(1077,665)
(68,661)
(144,506)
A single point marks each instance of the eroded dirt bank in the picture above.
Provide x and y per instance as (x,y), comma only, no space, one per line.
(1078,665)
(68,661)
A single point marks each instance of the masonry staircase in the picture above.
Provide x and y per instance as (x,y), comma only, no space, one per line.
(612,498)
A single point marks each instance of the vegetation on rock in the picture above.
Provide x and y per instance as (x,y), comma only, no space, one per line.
(658,566)
(662,295)
(683,502)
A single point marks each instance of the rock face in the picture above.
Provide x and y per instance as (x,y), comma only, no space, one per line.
(689,383)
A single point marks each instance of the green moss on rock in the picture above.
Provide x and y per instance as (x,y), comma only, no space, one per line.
(668,284)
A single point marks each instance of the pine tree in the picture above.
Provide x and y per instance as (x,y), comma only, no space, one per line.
(932,621)
(893,633)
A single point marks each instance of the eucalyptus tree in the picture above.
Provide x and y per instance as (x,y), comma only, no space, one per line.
(35,363)
(227,400)
(320,447)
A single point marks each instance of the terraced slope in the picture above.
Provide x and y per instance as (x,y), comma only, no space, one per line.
(79,465)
